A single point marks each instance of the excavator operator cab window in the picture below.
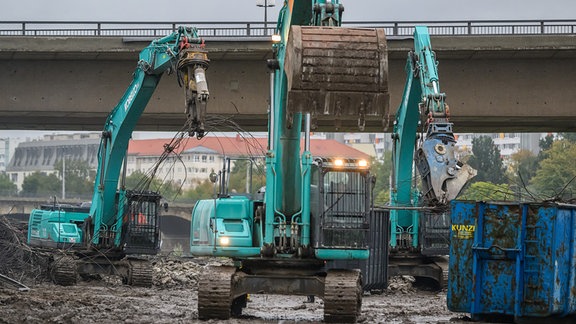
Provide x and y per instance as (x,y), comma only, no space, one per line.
(142,232)
(344,198)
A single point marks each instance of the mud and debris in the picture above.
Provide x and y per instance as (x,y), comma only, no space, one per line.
(173,299)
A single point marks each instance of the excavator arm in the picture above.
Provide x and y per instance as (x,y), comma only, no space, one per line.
(123,222)
(442,174)
(182,51)
(321,73)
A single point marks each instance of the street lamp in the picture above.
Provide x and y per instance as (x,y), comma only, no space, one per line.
(64,176)
(265,4)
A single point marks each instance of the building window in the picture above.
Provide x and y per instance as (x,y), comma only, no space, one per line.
(211,158)
(204,158)
(196,158)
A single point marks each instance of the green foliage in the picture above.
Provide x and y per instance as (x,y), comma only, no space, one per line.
(523,167)
(238,177)
(487,161)
(487,191)
(569,137)
(381,169)
(140,181)
(381,197)
(7,187)
(79,180)
(136,180)
(545,144)
(556,173)
(40,184)
(204,190)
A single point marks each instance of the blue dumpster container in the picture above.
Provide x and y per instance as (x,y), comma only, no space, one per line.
(512,259)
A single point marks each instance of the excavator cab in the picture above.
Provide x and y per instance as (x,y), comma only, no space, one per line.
(141,222)
(342,203)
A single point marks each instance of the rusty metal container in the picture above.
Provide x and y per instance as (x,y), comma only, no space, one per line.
(338,73)
(512,259)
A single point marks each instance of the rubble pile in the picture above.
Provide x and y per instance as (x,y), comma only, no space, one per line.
(402,284)
(170,273)
(175,272)
(18,260)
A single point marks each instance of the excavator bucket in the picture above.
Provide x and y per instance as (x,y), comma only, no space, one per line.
(338,74)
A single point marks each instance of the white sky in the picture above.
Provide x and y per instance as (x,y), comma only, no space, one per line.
(246,10)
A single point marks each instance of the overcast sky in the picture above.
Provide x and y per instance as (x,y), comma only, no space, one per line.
(246,10)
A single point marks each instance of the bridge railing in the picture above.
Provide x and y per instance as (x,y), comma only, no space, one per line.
(260,30)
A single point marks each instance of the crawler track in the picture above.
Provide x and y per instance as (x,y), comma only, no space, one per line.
(342,296)
(214,299)
(64,271)
(140,273)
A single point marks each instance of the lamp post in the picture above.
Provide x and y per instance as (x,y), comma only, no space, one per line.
(64,178)
(265,4)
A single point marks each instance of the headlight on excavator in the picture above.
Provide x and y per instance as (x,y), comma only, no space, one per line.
(276,38)
(362,163)
(338,162)
(224,241)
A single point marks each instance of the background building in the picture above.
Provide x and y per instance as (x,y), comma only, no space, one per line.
(43,154)
(190,162)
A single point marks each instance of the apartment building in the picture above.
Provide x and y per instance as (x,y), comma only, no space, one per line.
(188,163)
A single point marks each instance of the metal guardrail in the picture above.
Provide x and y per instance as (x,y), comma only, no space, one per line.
(258,29)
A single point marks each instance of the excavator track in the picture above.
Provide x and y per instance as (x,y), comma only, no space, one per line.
(342,296)
(214,298)
(140,273)
(64,271)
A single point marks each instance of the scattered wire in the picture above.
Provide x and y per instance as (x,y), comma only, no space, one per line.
(20,261)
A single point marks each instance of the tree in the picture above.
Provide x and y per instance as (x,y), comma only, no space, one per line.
(238,176)
(486,191)
(569,136)
(556,175)
(40,184)
(381,169)
(79,178)
(170,190)
(524,166)
(545,144)
(204,190)
(487,161)
(7,187)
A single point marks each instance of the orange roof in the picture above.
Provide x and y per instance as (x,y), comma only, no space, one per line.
(240,146)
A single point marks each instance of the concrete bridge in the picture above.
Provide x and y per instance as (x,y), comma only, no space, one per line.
(518,80)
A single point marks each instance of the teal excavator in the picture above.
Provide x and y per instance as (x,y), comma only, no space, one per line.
(314,209)
(121,223)
(423,137)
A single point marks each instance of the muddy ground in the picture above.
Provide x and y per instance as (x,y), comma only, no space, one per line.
(89,302)
(173,299)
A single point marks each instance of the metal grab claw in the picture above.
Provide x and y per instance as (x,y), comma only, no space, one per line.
(193,64)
